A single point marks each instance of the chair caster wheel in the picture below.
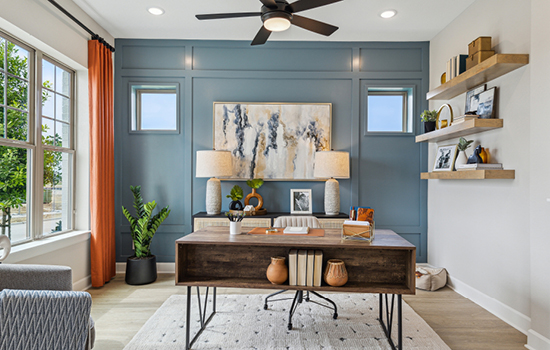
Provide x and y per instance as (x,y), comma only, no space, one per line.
(290,326)
(265,306)
(307,299)
(335,316)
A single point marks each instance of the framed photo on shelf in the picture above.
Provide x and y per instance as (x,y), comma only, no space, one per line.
(300,202)
(471,102)
(445,158)
(486,100)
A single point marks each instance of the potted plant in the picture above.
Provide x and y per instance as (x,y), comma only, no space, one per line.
(462,159)
(141,268)
(236,195)
(429,118)
(254,185)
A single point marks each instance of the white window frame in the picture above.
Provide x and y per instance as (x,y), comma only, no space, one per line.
(136,90)
(35,160)
(407,125)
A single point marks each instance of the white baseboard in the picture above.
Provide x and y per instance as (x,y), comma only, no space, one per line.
(536,341)
(161,268)
(83,284)
(511,316)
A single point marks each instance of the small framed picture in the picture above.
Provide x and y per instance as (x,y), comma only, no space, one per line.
(471,104)
(486,102)
(300,202)
(445,158)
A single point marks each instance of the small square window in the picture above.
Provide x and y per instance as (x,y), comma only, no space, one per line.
(154,108)
(389,110)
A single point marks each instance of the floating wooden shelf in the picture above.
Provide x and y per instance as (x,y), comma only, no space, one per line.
(469,175)
(467,127)
(492,68)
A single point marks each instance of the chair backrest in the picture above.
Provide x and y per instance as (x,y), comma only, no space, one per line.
(297,221)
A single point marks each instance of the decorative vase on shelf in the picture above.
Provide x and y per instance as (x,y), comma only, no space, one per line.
(236,205)
(429,126)
(461,159)
(257,196)
(335,273)
(483,155)
(277,271)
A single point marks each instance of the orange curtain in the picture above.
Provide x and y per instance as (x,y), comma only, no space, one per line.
(102,165)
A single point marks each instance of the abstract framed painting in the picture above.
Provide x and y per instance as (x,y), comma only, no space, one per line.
(272,141)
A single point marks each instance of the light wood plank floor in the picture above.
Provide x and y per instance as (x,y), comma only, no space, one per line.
(120,310)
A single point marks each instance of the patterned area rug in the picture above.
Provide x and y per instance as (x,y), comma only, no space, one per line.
(241,323)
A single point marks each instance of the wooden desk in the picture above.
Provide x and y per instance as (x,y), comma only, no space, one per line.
(213,258)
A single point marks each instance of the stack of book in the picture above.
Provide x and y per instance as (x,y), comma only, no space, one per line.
(305,267)
(479,166)
(456,66)
(463,118)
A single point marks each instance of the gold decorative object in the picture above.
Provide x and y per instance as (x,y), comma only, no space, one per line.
(439,112)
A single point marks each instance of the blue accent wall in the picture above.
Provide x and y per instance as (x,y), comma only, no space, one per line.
(385,168)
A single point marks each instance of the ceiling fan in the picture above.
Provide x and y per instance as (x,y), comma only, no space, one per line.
(278,15)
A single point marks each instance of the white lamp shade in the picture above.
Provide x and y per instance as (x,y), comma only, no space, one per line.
(213,163)
(331,164)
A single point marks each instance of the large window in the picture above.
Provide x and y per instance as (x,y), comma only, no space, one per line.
(36,146)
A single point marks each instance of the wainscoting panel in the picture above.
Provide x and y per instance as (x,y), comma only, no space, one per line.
(385,170)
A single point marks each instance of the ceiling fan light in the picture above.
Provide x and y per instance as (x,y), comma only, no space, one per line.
(277,24)
(388,14)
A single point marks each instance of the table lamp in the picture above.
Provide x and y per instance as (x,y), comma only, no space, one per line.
(214,163)
(332,164)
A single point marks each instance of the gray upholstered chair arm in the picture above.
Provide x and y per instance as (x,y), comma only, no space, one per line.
(40,320)
(35,277)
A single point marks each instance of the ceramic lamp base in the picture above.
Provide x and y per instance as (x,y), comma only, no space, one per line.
(213,196)
(332,197)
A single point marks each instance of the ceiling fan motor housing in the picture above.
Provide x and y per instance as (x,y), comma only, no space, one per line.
(282,10)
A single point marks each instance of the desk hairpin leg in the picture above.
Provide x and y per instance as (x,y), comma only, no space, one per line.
(202,315)
(387,326)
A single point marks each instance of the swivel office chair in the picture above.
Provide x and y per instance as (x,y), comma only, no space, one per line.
(299,221)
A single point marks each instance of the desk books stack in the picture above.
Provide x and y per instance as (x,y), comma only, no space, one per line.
(305,267)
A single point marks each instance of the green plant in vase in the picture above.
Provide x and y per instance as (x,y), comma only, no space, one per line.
(461,158)
(429,118)
(142,268)
(254,184)
(236,195)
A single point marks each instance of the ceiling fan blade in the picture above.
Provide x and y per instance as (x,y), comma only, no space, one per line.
(229,15)
(261,37)
(302,5)
(269,3)
(313,25)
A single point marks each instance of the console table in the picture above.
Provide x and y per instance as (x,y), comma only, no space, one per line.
(213,258)
(202,220)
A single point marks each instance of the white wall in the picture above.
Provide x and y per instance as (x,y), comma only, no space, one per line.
(480,229)
(539,334)
(42,26)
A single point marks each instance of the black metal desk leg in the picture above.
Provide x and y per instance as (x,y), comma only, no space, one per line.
(386,308)
(202,316)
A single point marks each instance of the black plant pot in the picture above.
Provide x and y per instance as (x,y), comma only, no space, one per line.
(236,205)
(141,270)
(429,126)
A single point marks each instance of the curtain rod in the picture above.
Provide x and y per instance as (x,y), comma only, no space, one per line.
(94,35)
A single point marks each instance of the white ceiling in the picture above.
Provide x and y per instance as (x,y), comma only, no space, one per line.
(359,20)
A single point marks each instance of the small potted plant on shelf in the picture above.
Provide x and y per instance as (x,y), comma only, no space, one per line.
(462,159)
(236,195)
(141,268)
(429,118)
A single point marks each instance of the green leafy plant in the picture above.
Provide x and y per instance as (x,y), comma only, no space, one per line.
(144,226)
(256,183)
(236,193)
(429,116)
(463,144)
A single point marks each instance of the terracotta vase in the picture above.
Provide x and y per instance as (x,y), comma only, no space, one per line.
(335,273)
(277,271)
(254,195)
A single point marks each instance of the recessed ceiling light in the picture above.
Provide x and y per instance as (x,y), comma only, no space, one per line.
(388,14)
(157,11)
